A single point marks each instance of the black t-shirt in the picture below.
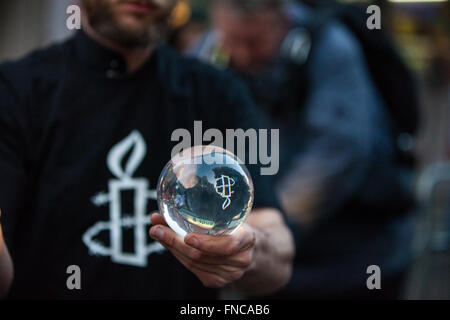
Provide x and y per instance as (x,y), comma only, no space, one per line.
(82,145)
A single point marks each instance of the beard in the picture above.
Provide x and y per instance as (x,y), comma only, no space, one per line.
(103,20)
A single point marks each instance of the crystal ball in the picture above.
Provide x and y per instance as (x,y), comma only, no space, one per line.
(205,189)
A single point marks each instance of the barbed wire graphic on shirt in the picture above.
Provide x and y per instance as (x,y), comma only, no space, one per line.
(138,220)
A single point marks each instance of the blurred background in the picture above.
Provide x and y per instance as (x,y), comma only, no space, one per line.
(421,31)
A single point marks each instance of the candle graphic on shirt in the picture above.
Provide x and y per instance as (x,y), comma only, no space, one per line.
(223,188)
(139,221)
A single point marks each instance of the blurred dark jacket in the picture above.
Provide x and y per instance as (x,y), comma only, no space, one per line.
(338,173)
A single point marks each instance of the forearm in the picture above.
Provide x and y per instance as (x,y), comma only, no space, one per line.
(6,269)
(271,266)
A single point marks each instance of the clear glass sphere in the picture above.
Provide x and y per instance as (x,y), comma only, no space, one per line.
(205,189)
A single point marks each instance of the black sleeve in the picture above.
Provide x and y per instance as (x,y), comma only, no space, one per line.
(235,110)
(13,177)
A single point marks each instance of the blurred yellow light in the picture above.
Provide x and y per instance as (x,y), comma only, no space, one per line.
(416,1)
(181,14)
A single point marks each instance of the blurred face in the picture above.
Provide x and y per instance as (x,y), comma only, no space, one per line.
(251,40)
(128,23)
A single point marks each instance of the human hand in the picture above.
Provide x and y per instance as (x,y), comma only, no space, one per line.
(216,260)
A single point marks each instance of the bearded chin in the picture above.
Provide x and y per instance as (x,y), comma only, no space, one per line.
(103,23)
(123,37)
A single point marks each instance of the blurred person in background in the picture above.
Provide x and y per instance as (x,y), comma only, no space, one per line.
(97,112)
(343,182)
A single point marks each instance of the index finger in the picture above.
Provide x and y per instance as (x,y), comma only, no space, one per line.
(225,245)
(157,218)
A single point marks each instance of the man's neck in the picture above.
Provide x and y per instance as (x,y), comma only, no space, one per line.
(134,57)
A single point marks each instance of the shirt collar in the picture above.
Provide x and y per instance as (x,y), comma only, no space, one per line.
(100,58)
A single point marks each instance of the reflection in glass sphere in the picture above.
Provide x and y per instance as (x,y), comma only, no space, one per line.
(205,189)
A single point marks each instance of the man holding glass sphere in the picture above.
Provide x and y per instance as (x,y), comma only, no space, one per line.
(64,112)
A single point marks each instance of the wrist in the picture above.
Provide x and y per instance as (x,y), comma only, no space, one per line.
(255,251)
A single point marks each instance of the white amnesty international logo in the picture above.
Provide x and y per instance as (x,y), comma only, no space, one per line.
(223,188)
(138,220)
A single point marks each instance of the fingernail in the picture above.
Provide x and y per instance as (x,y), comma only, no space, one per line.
(192,242)
(157,233)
